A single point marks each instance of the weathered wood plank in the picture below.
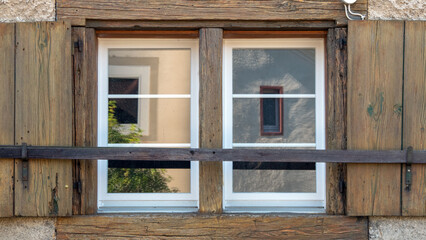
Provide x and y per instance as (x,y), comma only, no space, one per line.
(274,34)
(43,116)
(214,155)
(414,200)
(205,10)
(191,226)
(7,100)
(336,117)
(147,34)
(193,25)
(375,66)
(85,119)
(211,173)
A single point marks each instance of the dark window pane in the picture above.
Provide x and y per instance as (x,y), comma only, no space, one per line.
(126,110)
(271,116)
(123,86)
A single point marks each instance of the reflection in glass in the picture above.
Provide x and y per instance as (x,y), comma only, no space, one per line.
(292,69)
(148,119)
(159,71)
(298,122)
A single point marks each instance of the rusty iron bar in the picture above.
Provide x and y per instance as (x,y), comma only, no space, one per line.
(239,154)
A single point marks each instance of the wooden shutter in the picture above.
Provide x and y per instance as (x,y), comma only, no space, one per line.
(386,110)
(414,134)
(7,69)
(85,114)
(43,105)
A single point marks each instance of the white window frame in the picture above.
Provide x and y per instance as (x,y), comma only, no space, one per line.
(146,202)
(272,201)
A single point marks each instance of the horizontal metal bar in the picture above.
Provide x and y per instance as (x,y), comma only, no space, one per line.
(238,155)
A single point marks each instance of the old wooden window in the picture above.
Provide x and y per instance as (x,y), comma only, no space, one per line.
(297,67)
(148,97)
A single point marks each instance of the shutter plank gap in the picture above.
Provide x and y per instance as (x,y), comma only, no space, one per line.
(414,201)
(336,116)
(43,116)
(7,100)
(375,62)
(211,173)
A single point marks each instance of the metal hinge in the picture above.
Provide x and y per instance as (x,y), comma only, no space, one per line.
(78,45)
(408,170)
(342,186)
(77,185)
(24,157)
(342,43)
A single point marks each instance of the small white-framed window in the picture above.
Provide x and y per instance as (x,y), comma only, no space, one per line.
(147,97)
(274,97)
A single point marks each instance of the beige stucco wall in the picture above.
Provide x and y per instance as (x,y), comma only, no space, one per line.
(27,10)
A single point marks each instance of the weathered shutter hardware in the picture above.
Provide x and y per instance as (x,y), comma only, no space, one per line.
(214,155)
(24,157)
(408,173)
(78,45)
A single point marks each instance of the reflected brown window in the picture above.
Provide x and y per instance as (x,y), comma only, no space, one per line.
(271,117)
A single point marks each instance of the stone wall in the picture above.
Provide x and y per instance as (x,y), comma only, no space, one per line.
(397,9)
(27,10)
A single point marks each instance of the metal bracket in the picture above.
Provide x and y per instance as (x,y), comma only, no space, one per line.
(408,170)
(24,157)
(78,45)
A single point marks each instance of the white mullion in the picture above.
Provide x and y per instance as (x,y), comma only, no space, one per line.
(149,96)
(273,96)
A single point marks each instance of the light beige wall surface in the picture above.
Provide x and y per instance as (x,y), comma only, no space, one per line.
(27,10)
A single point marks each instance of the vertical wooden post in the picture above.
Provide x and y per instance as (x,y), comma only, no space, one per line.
(375,69)
(336,117)
(7,116)
(43,106)
(85,118)
(211,173)
(414,133)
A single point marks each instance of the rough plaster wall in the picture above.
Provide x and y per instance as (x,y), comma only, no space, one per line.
(27,10)
(27,228)
(397,9)
(413,228)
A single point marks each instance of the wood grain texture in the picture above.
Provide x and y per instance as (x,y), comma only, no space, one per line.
(194,24)
(85,119)
(375,68)
(414,200)
(190,226)
(211,173)
(336,117)
(205,10)
(43,116)
(7,116)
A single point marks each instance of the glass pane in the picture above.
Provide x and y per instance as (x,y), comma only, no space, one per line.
(156,70)
(123,86)
(270,180)
(298,119)
(149,121)
(148,177)
(292,69)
